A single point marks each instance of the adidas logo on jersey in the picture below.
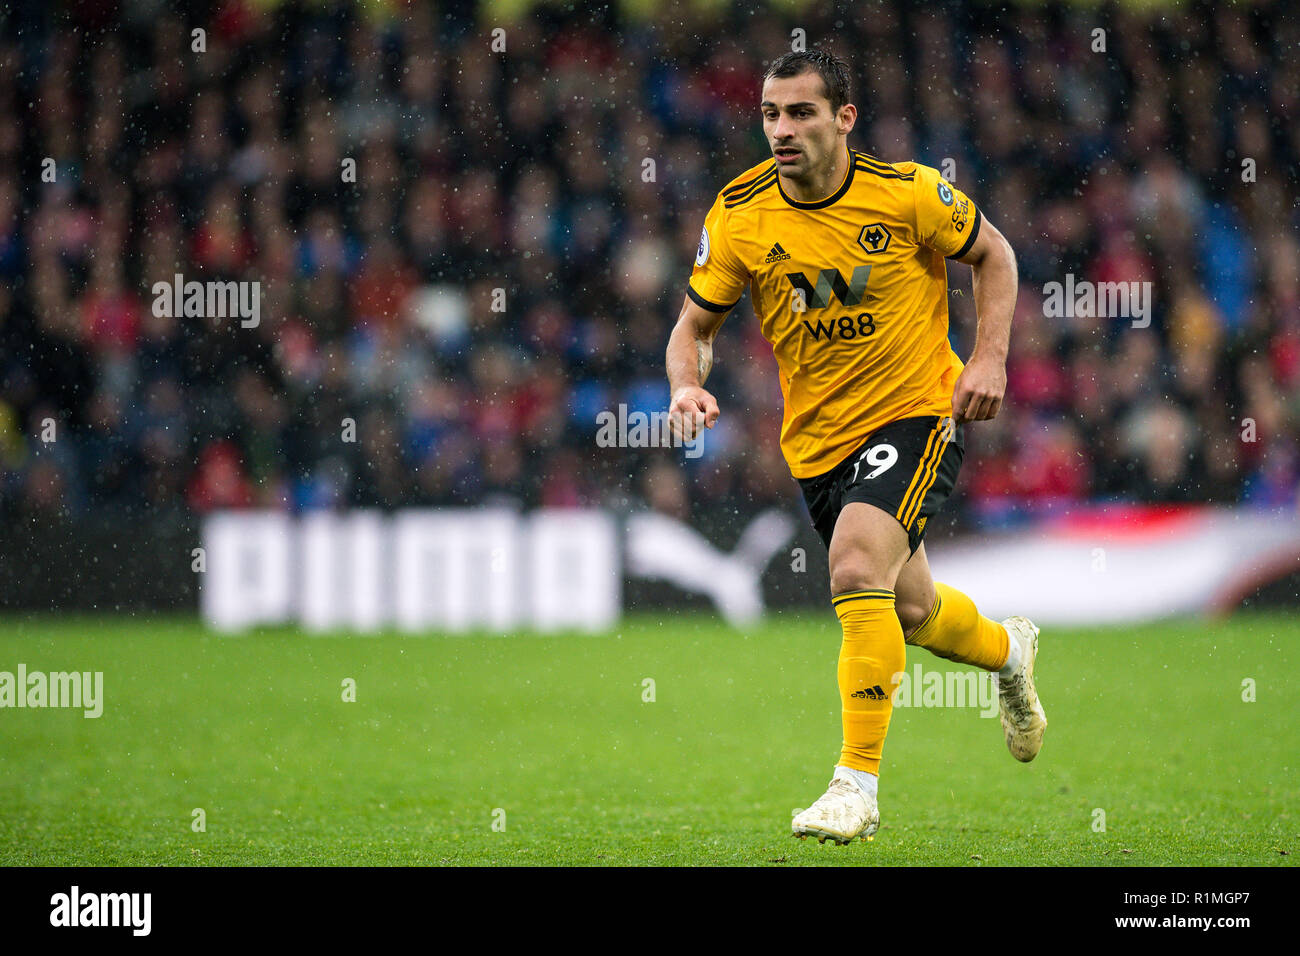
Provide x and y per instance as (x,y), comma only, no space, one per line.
(777,254)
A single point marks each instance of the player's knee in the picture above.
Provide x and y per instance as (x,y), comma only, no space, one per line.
(856,573)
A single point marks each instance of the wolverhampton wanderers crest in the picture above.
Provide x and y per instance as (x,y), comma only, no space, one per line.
(874,237)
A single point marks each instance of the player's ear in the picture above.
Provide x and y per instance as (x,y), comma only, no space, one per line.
(847,118)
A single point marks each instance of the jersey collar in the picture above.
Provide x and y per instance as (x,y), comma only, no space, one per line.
(822,203)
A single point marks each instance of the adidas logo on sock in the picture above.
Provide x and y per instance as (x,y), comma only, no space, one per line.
(777,254)
(875,693)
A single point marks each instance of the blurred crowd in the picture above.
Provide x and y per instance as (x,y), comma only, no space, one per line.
(444,326)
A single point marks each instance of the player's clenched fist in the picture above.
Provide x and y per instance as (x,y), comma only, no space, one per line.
(977,395)
(691,408)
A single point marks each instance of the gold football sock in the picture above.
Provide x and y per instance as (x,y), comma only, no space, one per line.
(871,653)
(955,630)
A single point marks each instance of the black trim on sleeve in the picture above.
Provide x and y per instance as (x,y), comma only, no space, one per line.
(704,303)
(970,240)
(739,188)
(739,199)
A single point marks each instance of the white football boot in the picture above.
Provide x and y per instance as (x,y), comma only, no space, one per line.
(1023,718)
(843,813)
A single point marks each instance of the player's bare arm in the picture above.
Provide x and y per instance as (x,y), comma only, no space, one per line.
(977,394)
(689,359)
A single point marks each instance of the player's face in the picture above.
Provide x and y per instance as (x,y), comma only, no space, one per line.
(801,130)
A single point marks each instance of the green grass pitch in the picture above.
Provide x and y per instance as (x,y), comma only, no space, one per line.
(551,737)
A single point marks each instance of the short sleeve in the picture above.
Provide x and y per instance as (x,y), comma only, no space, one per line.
(719,277)
(946,219)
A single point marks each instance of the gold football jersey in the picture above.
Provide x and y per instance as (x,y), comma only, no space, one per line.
(850,290)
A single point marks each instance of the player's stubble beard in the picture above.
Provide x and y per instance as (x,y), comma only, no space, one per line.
(811,173)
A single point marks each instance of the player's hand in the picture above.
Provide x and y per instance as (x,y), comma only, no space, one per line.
(977,396)
(692,409)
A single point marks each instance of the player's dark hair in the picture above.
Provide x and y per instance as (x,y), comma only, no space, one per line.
(833,71)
